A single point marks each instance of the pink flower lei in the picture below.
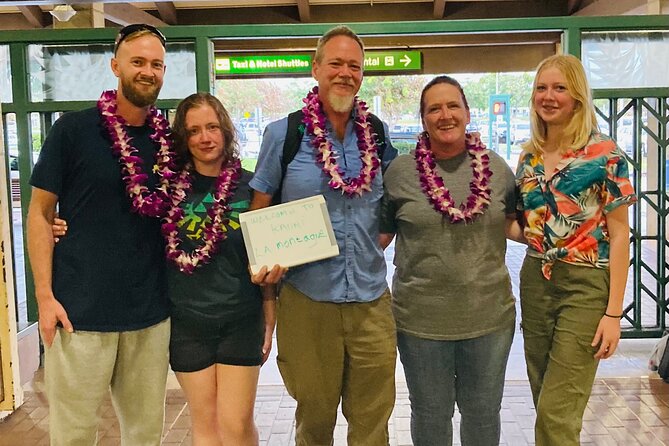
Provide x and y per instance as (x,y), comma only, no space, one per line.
(439,196)
(143,202)
(315,121)
(214,230)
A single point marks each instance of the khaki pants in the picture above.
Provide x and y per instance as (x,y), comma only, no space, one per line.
(328,352)
(559,320)
(81,367)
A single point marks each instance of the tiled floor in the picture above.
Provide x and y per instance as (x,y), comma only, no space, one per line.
(621,411)
(629,405)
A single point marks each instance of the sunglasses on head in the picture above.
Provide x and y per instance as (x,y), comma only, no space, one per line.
(129,30)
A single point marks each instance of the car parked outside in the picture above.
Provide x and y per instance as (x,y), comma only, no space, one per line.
(241,134)
(520,132)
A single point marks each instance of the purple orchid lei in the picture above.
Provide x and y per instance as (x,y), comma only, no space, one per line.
(143,202)
(315,122)
(214,229)
(439,196)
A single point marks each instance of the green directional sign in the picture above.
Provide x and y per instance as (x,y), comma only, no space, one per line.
(301,63)
(284,64)
(393,61)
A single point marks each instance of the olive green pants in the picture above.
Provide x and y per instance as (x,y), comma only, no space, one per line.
(559,320)
(81,368)
(329,352)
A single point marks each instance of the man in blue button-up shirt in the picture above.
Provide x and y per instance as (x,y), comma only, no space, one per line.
(335,331)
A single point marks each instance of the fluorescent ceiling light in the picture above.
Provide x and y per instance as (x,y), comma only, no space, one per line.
(63,13)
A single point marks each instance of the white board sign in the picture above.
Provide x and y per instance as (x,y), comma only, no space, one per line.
(288,234)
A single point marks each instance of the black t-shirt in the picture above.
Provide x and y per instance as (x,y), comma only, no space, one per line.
(109,270)
(220,290)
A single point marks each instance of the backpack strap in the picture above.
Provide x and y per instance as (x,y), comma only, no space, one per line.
(377,125)
(295,132)
(291,145)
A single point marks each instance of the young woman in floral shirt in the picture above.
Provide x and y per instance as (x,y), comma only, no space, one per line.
(574,194)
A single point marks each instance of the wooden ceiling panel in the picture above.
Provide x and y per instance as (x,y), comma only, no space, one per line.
(34,15)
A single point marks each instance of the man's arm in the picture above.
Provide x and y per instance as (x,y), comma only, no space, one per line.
(390,152)
(260,200)
(40,250)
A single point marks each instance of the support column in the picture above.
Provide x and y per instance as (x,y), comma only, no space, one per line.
(11,393)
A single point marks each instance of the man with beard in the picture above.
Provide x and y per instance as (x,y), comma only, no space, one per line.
(103,312)
(335,332)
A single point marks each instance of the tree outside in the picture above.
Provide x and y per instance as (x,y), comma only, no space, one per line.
(253,103)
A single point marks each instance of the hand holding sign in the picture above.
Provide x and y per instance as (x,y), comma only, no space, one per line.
(266,276)
(288,234)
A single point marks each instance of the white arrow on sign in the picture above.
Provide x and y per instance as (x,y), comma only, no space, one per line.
(406,59)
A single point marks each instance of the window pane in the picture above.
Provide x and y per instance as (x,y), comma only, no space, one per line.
(626,59)
(5,75)
(81,72)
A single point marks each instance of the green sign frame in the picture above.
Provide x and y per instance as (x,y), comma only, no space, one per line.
(255,65)
(393,61)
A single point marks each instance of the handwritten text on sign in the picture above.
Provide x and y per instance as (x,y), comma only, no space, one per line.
(289,234)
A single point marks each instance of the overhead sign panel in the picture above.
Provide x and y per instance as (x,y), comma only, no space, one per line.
(301,63)
(284,64)
(393,61)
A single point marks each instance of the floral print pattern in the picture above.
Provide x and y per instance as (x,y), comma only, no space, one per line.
(565,216)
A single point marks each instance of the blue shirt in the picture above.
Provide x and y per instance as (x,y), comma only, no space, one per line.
(358,273)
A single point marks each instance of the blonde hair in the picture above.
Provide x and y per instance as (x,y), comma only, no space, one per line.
(583,122)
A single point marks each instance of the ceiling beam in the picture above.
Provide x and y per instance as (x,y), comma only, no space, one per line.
(655,7)
(304,10)
(51,3)
(34,16)
(573,6)
(167,11)
(439,9)
(609,8)
(126,14)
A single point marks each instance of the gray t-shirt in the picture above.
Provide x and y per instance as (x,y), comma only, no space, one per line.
(450,280)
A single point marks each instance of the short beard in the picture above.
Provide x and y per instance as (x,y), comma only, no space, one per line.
(341,104)
(136,97)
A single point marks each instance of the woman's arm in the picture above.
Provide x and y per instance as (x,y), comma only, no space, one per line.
(608,331)
(269,313)
(385,239)
(513,230)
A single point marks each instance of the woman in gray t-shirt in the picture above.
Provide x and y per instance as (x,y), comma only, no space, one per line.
(452,295)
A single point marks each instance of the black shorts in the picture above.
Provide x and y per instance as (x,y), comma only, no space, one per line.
(197,343)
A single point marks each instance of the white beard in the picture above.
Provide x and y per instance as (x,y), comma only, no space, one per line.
(341,104)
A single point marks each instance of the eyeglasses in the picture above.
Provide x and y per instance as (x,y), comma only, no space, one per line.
(127,31)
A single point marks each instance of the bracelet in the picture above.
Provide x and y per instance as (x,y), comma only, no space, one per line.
(613,317)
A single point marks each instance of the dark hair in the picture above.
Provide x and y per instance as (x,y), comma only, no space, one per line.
(441,80)
(180,132)
(341,30)
(140,29)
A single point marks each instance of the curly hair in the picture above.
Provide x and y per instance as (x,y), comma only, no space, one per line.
(180,132)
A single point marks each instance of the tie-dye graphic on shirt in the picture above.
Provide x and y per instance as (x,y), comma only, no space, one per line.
(195,216)
(565,215)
